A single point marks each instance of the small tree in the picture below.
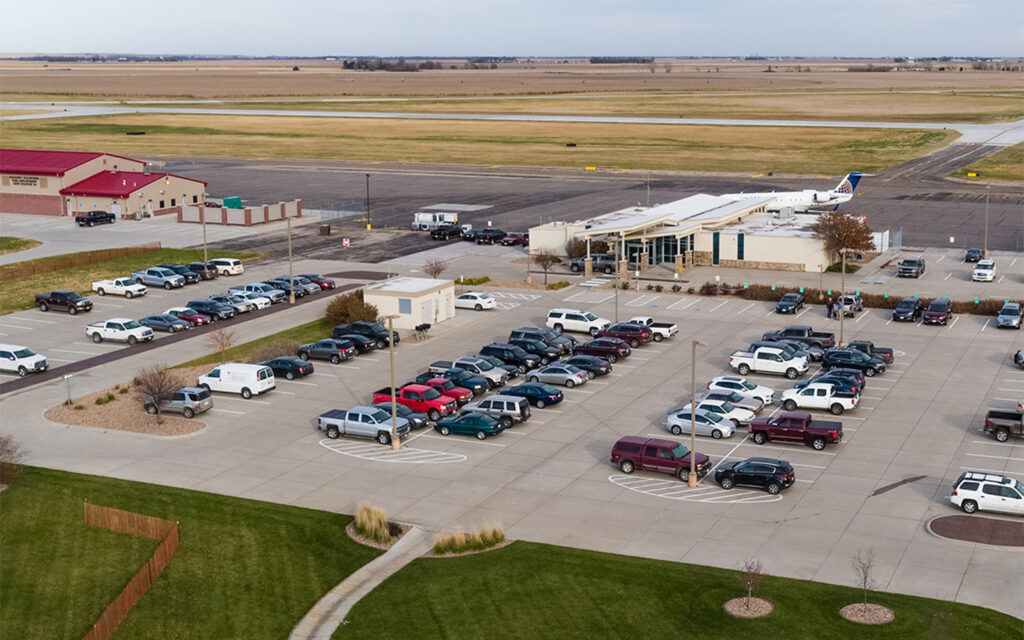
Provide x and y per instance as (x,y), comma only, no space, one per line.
(751,573)
(350,307)
(545,259)
(157,382)
(221,340)
(11,455)
(434,268)
(863,564)
(839,230)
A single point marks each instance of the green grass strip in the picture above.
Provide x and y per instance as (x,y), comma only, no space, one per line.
(303,333)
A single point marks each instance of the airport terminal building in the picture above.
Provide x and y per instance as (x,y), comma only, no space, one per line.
(697,231)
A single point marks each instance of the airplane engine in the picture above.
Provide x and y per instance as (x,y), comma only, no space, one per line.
(822,196)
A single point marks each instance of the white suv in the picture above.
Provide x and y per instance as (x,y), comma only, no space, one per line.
(21,360)
(227,266)
(576,320)
(973,491)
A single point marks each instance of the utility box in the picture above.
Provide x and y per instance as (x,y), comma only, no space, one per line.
(325,229)
(234,202)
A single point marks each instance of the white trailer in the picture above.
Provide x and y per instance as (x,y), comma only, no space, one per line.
(430,220)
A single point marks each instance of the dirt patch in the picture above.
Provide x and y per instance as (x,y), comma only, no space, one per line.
(125,412)
(867,614)
(759,607)
(395,537)
(979,529)
(500,545)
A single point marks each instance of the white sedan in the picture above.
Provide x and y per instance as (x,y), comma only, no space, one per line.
(742,386)
(704,423)
(984,271)
(261,302)
(476,301)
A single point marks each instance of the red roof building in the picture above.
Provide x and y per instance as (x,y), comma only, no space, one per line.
(120,184)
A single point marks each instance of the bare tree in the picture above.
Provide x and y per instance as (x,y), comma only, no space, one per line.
(751,572)
(11,455)
(839,230)
(863,564)
(155,382)
(545,259)
(221,340)
(434,268)
(667,66)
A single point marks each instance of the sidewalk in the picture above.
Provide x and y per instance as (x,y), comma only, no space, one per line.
(329,613)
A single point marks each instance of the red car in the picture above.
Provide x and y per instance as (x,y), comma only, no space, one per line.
(516,240)
(611,349)
(323,281)
(191,316)
(446,387)
(633,334)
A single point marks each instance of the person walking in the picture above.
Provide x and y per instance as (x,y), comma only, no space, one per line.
(828,309)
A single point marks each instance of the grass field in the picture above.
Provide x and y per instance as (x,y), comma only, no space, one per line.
(1007,164)
(538,591)
(19,293)
(10,244)
(245,569)
(615,146)
(303,333)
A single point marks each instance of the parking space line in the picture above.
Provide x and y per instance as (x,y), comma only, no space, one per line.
(574,390)
(305,384)
(473,441)
(1000,388)
(14,326)
(36,320)
(291,393)
(623,366)
(982,455)
(947,276)
(640,359)
(105,304)
(361,358)
(344,366)
(692,302)
(674,304)
(237,413)
(1007,399)
(862,316)
(84,353)
(59,359)
(241,399)
(725,302)
(953,324)
(745,308)
(803,312)
(996,444)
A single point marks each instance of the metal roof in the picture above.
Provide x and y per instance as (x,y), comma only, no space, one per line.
(118,184)
(687,212)
(45,163)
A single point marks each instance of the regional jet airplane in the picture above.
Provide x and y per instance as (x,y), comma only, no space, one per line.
(808,198)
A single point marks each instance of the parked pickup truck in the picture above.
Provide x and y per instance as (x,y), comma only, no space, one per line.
(366,422)
(661,330)
(119,287)
(63,300)
(768,360)
(372,330)
(796,426)
(653,454)
(820,395)
(93,218)
(805,333)
(476,366)
(119,330)
(420,398)
(158,277)
(884,354)
(1003,424)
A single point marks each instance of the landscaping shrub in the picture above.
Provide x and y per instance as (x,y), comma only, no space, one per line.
(690,290)
(623,285)
(372,523)
(350,307)
(676,288)
(474,281)
(79,407)
(122,391)
(650,287)
(838,266)
(659,288)
(554,286)
(475,540)
(709,289)
(102,400)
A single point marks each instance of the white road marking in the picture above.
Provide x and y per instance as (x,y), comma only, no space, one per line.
(745,308)
(862,316)
(362,358)
(84,353)
(237,413)
(20,318)
(996,471)
(676,490)
(806,309)
(981,455)
(996,444)
(469,440)
(377,453)
(941,258)
(305,384)
(674,304)
(14,326)
(692,302)
(947,276)
(984,326)
(725,302)
(954,322)
(291,393)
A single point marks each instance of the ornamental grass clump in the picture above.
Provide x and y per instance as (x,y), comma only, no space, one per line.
(372,523)
(476,540)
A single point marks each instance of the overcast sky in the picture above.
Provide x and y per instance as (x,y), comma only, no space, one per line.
(848,28)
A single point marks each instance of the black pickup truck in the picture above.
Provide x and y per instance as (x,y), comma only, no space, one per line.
(1003,424)
(884,354)
(805,333)
(63,300)
(371,330)
(93,218)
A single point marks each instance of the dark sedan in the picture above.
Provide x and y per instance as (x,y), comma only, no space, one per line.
(164,322)
(214,310)
(511,369)
(289,367)
(470,424)
(323,281)
(593,365)
(814,353)
(361,343)
(908,310)
(538,394)
(416,419)
(191,277)
(852,359)
(789,303)
(611,349)
(546,352)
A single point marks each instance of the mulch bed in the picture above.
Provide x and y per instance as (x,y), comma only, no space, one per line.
(397,531)
(979,529)
(867,614)
(759,607)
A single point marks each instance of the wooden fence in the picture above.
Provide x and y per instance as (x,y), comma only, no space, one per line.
(138,525)
(81,259)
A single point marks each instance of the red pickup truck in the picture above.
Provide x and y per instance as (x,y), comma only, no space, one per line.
(796,426)
(653,454)
(420,398)
(446,387)
(632,334)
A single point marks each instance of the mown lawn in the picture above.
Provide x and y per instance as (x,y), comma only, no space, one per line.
(539,591)
(10,244)
(245,569)
(17,294)
(303,333)
(1006,164)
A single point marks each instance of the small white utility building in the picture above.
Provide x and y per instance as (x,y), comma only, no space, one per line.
(413,301)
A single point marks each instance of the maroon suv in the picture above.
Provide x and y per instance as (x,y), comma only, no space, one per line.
(633,334)
(611,349)
(940,311)
(654,454)
(322,281)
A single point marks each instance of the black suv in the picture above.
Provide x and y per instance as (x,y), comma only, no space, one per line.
(908,310)
(373,330)
(215,310)
(767,473)
(205,271)
(546,352)
(446,232)
(548,336)
(974,255)
(191,277)
(600,261)
(511,354)
(489,236)
(852,359)
(789,303)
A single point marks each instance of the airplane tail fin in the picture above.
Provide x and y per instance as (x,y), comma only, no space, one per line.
(849,183)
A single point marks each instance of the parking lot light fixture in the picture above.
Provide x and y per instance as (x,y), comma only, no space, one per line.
(693,411)
(396,443)
(988,188)
(842,292)
(291,279)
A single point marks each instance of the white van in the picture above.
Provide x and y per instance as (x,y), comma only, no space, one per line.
(21,359)
(227,266)
(235,377)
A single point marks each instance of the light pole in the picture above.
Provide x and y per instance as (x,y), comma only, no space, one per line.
(693,411)
(842,292)
(617,251)
(396,443)
(988,188)
(291,280)
(369,220)
(202,220)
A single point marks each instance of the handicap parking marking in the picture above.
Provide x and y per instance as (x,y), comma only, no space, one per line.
(379,453)
(679,490)
(462,440)
(506,306)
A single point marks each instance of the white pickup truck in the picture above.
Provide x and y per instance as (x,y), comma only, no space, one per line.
(126,287)
(118,329)
(661,330)
(819,395)
(768,360)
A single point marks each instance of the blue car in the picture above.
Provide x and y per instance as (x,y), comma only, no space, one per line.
(470,424)
(538,394)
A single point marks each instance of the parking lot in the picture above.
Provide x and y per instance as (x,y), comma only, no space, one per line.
(917,428)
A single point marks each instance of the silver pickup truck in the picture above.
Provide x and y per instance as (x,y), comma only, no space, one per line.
(159,277)
(366,422)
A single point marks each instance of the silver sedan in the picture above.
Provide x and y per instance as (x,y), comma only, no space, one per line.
(563,374)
